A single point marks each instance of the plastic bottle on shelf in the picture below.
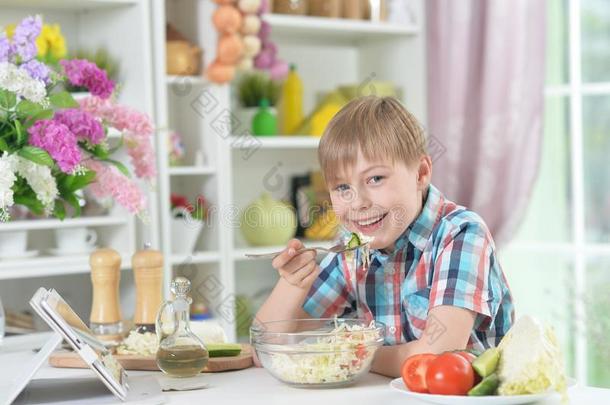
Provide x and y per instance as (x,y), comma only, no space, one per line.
(291,102)
(264,121)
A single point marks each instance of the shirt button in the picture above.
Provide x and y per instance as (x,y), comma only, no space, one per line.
(392,329)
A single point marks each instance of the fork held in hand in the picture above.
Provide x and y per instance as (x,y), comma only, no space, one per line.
(338,248)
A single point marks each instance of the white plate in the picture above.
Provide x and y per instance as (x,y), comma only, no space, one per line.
(23,255)
(61,252)
(399,385)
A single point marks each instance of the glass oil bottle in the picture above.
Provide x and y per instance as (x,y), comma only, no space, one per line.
(181,353)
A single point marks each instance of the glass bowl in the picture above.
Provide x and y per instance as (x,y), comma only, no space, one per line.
(317,353)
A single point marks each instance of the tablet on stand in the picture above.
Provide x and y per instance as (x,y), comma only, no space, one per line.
(68,326)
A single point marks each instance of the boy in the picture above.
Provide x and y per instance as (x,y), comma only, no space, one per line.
(433,279)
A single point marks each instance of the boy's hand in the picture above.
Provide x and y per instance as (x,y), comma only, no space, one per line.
(298,269)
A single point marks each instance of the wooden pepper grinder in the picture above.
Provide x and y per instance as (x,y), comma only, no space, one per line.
(148,273)
(105,319)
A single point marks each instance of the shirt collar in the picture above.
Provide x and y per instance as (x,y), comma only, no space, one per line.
(420,230)
(418,233)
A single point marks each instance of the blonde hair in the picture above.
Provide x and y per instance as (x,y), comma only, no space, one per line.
(379,127)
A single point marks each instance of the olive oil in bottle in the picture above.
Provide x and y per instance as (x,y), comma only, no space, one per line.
(182,361)
(181,353)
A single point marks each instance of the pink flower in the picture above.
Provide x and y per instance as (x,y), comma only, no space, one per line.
(58,141)
(110,182)
(137,126)
(142,156)
(83,73)
(82,124)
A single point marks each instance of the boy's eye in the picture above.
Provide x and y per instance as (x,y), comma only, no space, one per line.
(342,188)
(376,179)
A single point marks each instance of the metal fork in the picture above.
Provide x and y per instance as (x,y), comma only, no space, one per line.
(338,248)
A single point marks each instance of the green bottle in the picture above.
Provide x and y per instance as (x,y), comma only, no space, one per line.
(265,121)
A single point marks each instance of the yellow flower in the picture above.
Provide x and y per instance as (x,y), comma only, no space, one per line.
(10,30)
(50,41)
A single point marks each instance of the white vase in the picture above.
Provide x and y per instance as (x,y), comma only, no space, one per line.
(185,232)
(244,116)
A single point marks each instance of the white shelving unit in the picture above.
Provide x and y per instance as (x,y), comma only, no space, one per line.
(87,24)
(328,53)
(280,142)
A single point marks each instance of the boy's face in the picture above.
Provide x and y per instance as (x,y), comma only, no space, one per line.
(379,198)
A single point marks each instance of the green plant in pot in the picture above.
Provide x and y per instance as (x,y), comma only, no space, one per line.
(252,88)
(268,222)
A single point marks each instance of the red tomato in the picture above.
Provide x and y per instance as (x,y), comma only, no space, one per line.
(414,372)
(467,355)
(449,374)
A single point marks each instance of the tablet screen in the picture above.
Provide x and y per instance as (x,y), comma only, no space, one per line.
(111,367)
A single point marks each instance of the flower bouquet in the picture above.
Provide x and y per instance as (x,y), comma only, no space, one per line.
(52,146)
(187,222)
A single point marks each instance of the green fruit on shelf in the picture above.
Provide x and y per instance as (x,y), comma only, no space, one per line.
(268,222)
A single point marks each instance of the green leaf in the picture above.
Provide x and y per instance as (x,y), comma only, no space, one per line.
(74,202)
(100,152)
(36,155)
(43,115)
(59,211)
(28,108)
(3,146)
(68,184)
(120,166)
(31,202)
(21,134)
(63,99)
(8,99)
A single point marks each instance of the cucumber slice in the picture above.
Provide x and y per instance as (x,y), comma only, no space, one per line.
(224,349)
(354,241)
(487,386)
(487,362)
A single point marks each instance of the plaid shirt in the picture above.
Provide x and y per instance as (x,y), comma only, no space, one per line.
(445,257)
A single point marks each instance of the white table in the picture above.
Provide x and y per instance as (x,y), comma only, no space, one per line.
(256,386)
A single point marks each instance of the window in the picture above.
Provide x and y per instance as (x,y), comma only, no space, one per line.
(558,264)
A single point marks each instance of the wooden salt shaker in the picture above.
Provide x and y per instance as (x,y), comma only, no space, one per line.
(148,273)
(105,319)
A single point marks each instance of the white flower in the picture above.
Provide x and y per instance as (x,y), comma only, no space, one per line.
(21,83)
(7,179)
(40,179)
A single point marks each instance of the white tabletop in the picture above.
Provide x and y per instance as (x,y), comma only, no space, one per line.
(256,386)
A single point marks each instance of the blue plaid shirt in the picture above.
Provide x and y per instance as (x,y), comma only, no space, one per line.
(445,257)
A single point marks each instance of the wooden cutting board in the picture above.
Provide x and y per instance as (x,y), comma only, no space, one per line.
(69,359)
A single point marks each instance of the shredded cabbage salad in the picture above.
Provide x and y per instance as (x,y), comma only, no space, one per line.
(141,344)
(338,357)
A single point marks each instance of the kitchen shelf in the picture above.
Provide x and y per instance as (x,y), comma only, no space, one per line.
(335,29)
(239,253)
(66,223)
(280,142)
(191,170)
(181,80)
(72,5)
(195,258)
(46,266)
